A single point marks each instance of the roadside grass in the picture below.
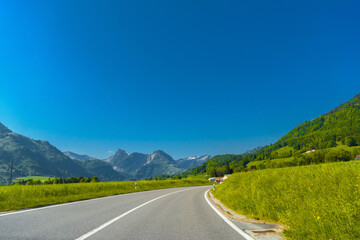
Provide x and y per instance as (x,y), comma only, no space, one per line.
(36,178)
(199,176)
(315,201)
(26,196)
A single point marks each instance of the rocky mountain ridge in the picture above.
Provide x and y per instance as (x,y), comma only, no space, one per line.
(40,158)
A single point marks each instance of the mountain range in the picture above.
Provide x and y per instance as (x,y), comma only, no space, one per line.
(340,126)
(142,166)
(40,158)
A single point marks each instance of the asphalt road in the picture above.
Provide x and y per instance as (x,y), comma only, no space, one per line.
(178,213)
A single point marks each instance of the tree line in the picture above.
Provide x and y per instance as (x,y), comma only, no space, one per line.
(59,181)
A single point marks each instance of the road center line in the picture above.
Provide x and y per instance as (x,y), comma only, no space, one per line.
(92,232)
(242,233)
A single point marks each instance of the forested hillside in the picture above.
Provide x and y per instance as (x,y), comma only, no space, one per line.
(340,124)
(328,138)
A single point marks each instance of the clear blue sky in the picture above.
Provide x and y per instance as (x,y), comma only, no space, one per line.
(187,77)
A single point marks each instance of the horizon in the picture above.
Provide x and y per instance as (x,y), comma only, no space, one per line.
(112,153)
(202,78)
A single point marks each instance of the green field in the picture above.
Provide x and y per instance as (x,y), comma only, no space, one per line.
(347,148)
(36,178)
(315,202)
(24,196)
(286,161)
(273,163)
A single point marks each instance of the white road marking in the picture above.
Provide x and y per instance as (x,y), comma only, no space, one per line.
(69,203)
(242,233)
(92,232)
(76,202)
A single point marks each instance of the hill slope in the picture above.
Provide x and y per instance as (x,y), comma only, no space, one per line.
(35,157)
(340,126)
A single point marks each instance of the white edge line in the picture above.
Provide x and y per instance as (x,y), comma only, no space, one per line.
(86,235)
(242,233)
(68,203)
(78,201)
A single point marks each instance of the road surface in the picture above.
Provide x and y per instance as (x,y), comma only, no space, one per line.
(177,213)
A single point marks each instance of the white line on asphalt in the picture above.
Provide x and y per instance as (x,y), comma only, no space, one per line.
(123,215)
(242,233)
(70,203)
(65,204)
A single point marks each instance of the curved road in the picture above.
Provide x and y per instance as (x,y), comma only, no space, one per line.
(177,213)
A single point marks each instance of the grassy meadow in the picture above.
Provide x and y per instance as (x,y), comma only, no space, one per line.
(25,196)
(41,178)
(314,202)
(281,161)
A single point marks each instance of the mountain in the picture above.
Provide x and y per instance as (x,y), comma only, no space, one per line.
(340,127)
(142,166)
(254,150)
(75,156)
(4,130)
(97,167)
(36,157)
(125,162)
(103,170)
(341,124)
(158,163)
(191,162)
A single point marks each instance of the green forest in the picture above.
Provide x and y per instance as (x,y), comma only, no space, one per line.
(331,137)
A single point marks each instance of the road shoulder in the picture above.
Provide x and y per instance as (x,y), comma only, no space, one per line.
(258,230)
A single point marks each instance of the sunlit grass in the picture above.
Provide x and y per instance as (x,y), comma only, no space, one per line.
(25,196)
(270,162)
(36,178)
(315,202)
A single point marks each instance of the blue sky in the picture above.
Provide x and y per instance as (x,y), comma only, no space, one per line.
(187,77)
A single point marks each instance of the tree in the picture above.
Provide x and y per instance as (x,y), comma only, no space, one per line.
(337,156)
(94,179)
(350,141)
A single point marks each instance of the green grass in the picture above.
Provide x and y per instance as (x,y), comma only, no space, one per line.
(281,162)
(315,201)
(25,196)
(347,148)
(36,178)
(283,152)
(270,163)
(199,176)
